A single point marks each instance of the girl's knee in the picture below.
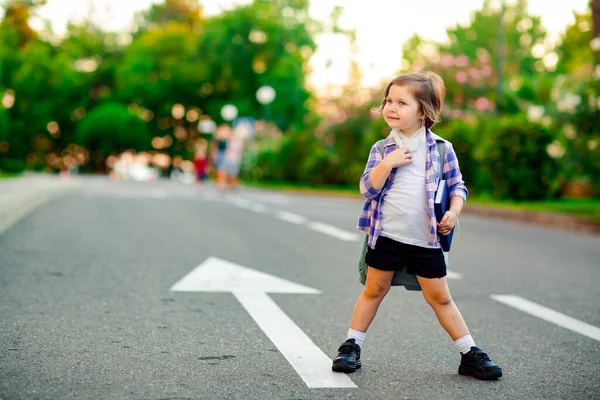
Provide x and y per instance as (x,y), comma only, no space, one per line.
(438,298)
(375,290)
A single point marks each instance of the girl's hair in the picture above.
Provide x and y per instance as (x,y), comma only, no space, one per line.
(429,90)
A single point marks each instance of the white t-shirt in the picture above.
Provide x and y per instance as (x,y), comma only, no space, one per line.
(404,210)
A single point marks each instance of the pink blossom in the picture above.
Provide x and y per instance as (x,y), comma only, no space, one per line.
(461,77)
(474,73)
(456,114)
(447,60)
(462,61)
(486,71)
(482,104)
(483,56)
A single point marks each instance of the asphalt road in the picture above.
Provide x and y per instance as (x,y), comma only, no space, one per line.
(87,310)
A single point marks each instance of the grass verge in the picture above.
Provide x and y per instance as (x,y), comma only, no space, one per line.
(7,175)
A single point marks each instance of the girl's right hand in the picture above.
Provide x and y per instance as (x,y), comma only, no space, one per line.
(398,158)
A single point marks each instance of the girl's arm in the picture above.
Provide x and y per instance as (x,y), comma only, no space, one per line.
(376,172)
(456,205)
(379,175)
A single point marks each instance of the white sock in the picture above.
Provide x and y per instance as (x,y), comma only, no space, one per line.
(464,344)
(359,337)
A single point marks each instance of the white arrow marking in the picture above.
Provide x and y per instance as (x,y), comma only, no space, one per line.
(250,287)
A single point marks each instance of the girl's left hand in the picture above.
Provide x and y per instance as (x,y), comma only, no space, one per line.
(447,223)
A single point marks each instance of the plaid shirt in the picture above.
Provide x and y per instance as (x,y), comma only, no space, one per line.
(370,216)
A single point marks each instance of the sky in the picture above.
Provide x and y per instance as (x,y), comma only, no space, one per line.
(382,26)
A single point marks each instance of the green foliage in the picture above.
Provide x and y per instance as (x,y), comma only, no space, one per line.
(12,165)
(111,128)
(574,50)
(516,159)
(180,56)
(284,158)
(464,136)
(16,16)
(576,105)
(187,12)
(4,125)
(263,43)
(488,63)
(159,69)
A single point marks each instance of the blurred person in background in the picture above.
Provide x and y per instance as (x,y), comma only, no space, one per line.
(201,162)
(217,154)
(233,160)
(399,183)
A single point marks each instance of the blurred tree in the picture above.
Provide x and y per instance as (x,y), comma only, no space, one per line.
(595,6)
(161,69)
(94,55)
(9,49)
(575,49)
(42,91)
(576,105)
(4,127)
(16,15)
(186,12)
(263,43)
(468,60)
(111,128)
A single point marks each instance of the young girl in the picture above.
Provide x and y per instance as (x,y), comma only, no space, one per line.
(399,217)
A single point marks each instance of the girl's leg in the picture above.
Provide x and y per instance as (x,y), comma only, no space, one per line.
(473,362)
(437,295)
(376,287)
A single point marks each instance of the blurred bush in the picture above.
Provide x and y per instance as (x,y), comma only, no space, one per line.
(12,165)
(111,128)
(515,156)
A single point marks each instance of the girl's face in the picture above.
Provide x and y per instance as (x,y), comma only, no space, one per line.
(401,110)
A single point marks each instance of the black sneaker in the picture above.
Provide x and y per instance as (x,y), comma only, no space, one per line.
(478,365)
(348,359)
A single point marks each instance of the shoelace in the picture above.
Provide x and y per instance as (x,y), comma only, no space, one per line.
(346,349)
(482,356)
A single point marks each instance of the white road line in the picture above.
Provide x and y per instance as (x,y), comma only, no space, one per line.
(269,198)
(290,217)
(238,202)
(549,315)
(333,231)
(258,208)
(247,205)
(453,275)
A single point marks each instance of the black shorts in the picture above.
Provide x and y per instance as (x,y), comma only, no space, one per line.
(390,255)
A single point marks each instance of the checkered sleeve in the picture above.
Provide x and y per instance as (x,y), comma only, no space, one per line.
(452,174)
(366,189)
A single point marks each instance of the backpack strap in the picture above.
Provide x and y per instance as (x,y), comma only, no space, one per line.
(381,150)
(440,146)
